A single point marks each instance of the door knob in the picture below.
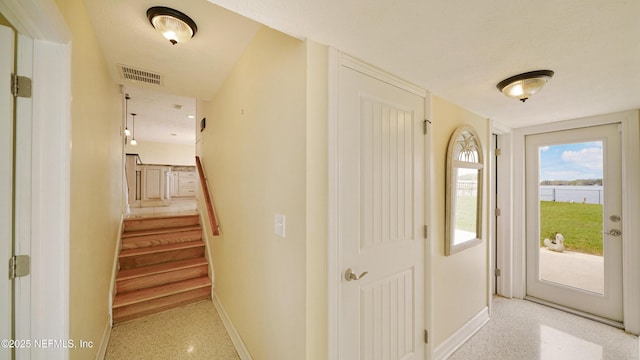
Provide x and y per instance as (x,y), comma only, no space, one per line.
(614,232)
(349,275)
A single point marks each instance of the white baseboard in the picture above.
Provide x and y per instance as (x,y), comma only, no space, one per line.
(242,350)
(104,342)
(453,342)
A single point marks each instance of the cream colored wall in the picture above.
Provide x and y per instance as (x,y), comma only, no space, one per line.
(254,152)
(460,281)
(163,153)
(317,197)
(96,185)
(4,21)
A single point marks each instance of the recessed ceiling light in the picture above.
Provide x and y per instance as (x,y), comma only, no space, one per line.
(177,106)
(191,116)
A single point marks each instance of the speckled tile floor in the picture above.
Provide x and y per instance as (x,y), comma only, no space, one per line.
(523,330)
(194,331)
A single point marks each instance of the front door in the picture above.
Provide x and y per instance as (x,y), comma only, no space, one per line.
(6,185)
(380,219)
(574,243)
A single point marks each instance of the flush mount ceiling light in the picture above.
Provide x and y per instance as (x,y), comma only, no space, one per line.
(524,85)
(174,25)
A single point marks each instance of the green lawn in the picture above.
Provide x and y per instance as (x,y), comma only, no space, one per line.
(580,224)
(466,213)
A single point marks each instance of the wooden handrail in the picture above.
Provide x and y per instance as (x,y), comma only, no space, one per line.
(207,197)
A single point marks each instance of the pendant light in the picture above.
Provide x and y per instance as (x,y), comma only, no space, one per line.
(133,138)
(126,115)
(522,86)
(174,25)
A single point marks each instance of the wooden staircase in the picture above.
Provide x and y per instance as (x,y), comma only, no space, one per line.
(162,265)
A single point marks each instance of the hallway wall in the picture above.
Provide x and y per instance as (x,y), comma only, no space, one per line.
(157,153)
(254,153)
(460,281)
(96,185)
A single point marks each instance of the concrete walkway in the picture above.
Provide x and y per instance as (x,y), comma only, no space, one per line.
(573,269)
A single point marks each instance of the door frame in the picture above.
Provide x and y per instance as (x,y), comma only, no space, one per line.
(502,227)
(605,306)
(630,136)
(43,200)
(338,59)
(7,123)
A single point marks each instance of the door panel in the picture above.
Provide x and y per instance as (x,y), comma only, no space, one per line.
(6,183)
(574,258)
(380,218)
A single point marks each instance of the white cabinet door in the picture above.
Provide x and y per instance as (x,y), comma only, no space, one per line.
(154,182)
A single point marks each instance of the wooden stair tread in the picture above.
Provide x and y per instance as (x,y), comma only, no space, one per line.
(159,217)
(160,248)
(139,310)
(134,233)
(142,223)
(159,268)
(138,296)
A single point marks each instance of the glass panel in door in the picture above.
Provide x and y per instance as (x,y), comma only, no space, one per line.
(570,212)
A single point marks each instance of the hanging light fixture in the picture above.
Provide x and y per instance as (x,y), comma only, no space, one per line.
(174,25)
(133,138)
(524,85)
(126,116)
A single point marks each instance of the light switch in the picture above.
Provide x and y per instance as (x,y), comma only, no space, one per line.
(279,225)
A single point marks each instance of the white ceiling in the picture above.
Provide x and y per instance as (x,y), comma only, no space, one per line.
(195,69)
(458,50)
(161,117)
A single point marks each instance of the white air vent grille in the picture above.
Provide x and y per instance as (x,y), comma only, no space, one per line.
(148,77)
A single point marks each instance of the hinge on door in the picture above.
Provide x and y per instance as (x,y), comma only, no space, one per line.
(426,231)
(19,266)
(498,272)
(425,125)
(498,212)
(426,337)
(20,86)
(498,151)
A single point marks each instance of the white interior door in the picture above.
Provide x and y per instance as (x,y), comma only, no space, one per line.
(573,184)
(6,184)
(380,219)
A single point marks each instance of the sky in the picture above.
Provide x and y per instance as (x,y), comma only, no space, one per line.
(571,161)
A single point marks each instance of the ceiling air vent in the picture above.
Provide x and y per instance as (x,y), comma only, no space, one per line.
(148,77)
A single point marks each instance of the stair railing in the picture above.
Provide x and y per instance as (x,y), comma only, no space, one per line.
(215,228)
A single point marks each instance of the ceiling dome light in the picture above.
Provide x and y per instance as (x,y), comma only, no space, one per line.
(173,24)
(524,85)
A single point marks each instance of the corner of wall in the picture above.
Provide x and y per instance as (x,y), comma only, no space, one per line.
(316,201)
(461,335)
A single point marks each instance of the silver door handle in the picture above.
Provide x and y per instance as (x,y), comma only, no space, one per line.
(614,232)
(349,275)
